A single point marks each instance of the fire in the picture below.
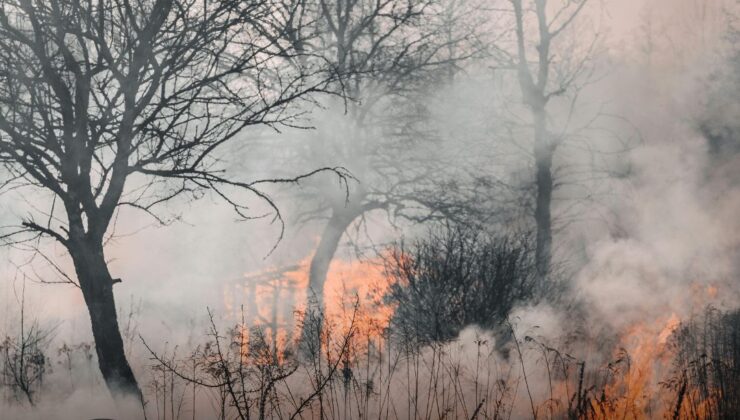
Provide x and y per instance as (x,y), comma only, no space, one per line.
(631,385)
(361,281)
(671,325)
(270,298)
(641,361)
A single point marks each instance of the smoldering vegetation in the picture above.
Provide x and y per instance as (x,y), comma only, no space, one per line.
(340,209)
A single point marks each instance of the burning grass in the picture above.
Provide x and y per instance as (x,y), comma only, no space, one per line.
(519,363)
(504,368)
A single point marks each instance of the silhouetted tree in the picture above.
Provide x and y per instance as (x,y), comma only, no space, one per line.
(387,54)
(534,75)
(545,54)
(127,103)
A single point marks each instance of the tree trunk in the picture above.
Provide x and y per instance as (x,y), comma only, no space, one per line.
(97,288)
(543,152)
(533,93)
(338,222)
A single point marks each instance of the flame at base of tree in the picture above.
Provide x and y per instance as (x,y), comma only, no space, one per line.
(274,300)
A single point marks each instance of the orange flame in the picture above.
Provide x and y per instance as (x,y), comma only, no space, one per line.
(270,298)
(642,360)
(638,366)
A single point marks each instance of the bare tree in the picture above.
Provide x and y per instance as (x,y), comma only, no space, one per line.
(537,90)
(549,53)
(387,53)
(117,103)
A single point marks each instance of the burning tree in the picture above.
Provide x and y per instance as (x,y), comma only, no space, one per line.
(387,53)
(105,104)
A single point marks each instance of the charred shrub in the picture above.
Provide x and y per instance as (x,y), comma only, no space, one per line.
(455,277)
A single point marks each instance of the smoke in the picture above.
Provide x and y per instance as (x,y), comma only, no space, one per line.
(664,241)
(673,249)
(82,403)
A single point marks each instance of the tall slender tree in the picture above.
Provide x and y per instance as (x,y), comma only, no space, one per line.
(537,24)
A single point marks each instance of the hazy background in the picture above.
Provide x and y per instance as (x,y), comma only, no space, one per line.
(676,209)
(663,239)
